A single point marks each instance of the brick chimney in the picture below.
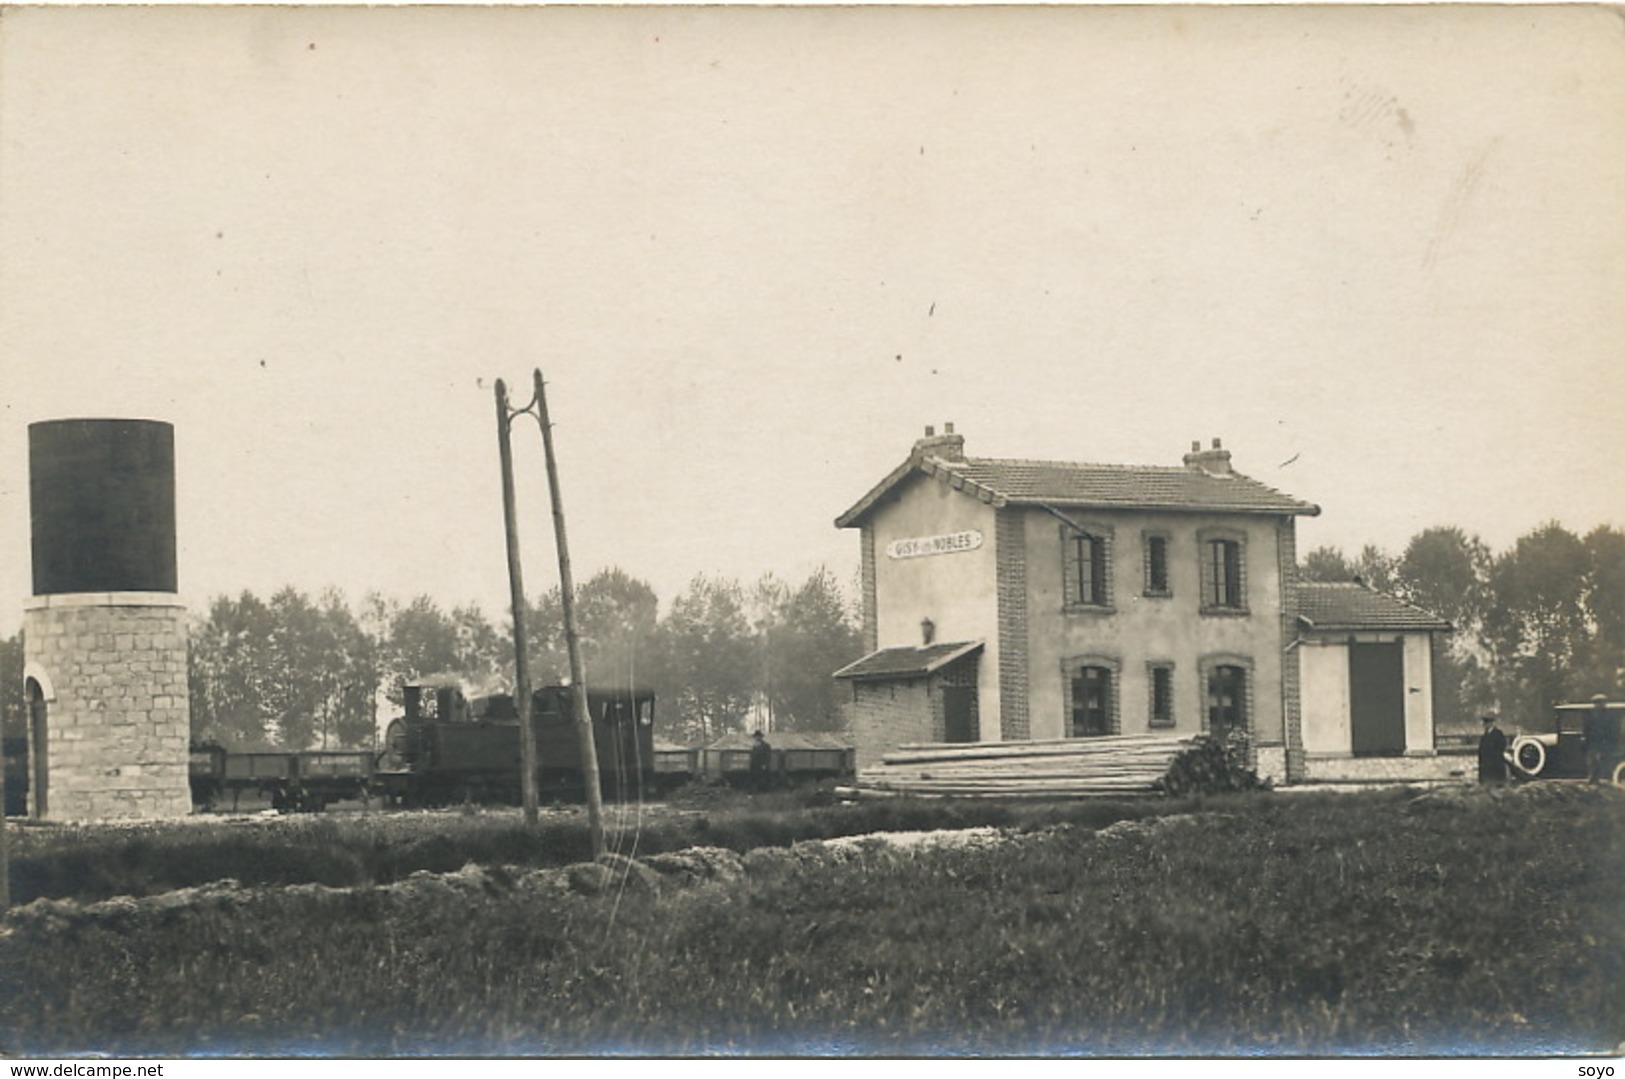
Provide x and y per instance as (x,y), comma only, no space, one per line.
(1215,461)
(948,446)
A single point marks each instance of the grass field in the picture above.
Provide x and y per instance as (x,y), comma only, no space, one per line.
(1382,923)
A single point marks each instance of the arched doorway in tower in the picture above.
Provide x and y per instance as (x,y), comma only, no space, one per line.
(38,746)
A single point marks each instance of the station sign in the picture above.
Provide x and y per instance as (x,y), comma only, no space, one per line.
(922,546)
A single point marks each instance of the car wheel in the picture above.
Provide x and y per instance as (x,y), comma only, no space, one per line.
(1619,774)
(1530,756)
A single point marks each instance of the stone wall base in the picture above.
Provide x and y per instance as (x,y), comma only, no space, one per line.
(1389,769)
(1271,763)
(112,669)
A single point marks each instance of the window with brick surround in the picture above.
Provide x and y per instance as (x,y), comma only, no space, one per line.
(1087,566)
(1156,564)
(1160,683)
(1091,696)
(1223,572)
(1227,690)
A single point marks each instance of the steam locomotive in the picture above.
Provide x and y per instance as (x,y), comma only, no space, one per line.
(448,748)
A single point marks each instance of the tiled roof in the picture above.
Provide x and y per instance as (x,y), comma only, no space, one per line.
(1056,483)
(1153,486)
(908,661)
(1340,605)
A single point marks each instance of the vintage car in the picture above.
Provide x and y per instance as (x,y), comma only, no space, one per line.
(1556,748)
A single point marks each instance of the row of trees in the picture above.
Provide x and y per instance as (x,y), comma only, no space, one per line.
(1536,624)
(1540,622)
(301,671)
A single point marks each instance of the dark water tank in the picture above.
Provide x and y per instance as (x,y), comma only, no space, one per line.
(102,499)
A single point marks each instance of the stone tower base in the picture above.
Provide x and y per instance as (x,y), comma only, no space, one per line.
(110,668)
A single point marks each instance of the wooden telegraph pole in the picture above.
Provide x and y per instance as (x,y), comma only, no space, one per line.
(578,676)
(516,586)
(5,842)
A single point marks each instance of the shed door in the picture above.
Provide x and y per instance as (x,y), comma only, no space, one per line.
(959,714)
(1377,699)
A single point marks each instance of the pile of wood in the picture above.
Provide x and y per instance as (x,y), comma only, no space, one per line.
(1058,768)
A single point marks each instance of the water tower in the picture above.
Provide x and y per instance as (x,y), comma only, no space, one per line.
(105,632)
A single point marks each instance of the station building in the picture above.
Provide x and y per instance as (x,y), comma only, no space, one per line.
(1008,599)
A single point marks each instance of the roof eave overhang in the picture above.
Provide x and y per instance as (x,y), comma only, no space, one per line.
(1305,509)
(923,671)
(935,467)
(1374,627)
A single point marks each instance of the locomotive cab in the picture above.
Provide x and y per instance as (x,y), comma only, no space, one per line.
(623,734)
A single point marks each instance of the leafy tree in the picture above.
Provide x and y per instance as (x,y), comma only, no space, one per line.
(1377,568)
(421,642)
(711,658)
(1601,667)
(1374,567)
(1446,572)
(617,617)
(616,624)
(348,693)
(811,633)
(321,676)
(768,600)
(1536,624)
(13,701)
(544,627)
(228,672)
(1327,564)
(484,654)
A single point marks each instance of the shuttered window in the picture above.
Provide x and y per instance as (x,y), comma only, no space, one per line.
(1156,564)
(1087,567)
(1223,573)
(1226,699)
(1160,680)
(1091,702)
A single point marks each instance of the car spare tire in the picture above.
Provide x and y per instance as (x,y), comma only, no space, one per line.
(1529,755)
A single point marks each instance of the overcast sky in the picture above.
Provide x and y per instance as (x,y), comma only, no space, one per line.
(1380,253)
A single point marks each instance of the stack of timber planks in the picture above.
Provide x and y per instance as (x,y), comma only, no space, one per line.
(1057,768)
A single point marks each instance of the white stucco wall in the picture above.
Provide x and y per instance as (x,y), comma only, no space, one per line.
(1324,668)
(1418,695)
(1140,629)
(955,590)
(1327,724)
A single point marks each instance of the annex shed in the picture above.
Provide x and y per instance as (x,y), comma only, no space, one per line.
(1366,663)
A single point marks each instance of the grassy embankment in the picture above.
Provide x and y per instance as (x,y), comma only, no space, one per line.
(346,849)
(1380,923)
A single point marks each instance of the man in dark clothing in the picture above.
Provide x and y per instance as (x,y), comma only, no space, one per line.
(1492,753)
(761,762)
(1602,740)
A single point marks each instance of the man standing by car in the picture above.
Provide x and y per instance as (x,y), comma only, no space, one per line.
(1602,740)
(1492,753)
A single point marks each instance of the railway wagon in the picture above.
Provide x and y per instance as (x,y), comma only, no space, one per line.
(796,757)
(449,748)
(292,781)
(674,764)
